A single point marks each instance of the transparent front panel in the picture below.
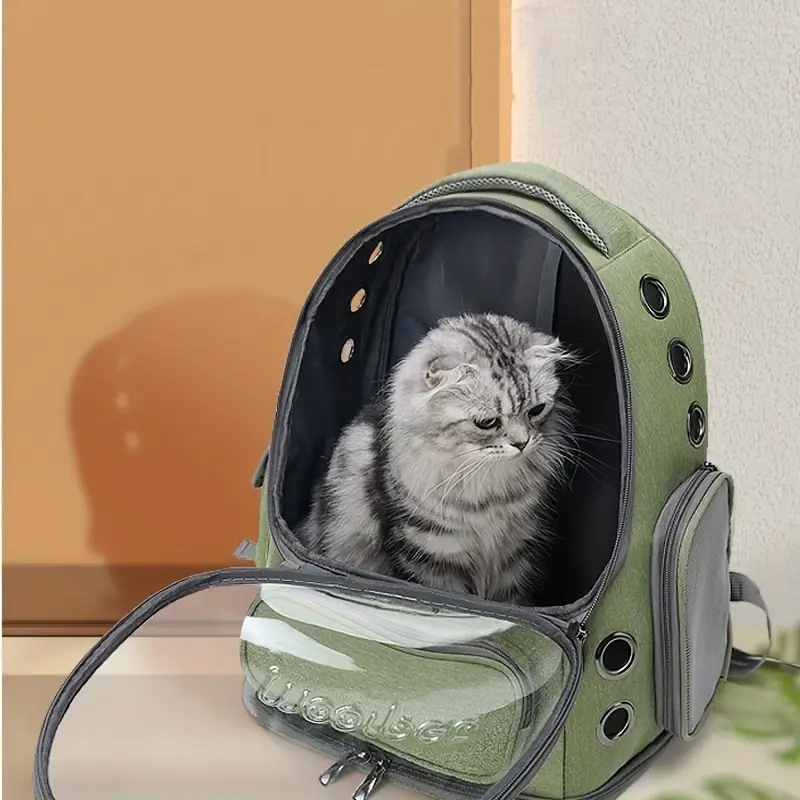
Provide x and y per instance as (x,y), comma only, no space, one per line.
(251,691)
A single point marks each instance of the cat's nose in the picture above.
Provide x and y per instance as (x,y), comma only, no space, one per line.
(520,444)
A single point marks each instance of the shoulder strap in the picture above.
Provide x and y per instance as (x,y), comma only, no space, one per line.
(744,590)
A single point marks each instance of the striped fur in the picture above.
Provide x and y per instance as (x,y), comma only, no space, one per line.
(444,480)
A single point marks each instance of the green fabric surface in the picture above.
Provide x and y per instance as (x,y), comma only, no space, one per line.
(420,691)
(663,458)
(549,780)
(616,228)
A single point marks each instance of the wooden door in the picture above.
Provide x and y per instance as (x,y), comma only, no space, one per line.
(176,176)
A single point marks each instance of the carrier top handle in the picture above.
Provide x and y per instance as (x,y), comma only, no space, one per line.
(609,230)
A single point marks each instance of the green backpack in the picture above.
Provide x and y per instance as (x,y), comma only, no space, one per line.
(453,696)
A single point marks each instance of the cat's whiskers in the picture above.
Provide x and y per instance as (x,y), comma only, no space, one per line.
(461,468)
(463,479)
(421,476)
(592,438)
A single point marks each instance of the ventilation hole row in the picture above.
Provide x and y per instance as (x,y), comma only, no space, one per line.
(614,658)
(356,302)
(655,299)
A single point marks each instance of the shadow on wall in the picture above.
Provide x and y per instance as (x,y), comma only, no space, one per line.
(169,417)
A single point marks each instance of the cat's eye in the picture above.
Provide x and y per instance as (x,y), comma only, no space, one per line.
(537,410)
(492,423)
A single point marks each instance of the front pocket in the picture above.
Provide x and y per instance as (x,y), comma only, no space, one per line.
(337,663)
(691,599)
(446,694)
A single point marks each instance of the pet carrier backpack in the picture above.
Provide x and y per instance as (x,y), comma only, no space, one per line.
(451,695)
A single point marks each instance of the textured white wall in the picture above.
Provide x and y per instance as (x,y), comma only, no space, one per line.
(687,114)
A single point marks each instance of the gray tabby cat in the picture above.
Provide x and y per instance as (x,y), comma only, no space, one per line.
(444,480)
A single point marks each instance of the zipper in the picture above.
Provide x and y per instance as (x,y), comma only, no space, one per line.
(372,781)
(358,758)
(669,559)
(361,758)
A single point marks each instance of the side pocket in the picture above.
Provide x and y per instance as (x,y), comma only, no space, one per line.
(691,599)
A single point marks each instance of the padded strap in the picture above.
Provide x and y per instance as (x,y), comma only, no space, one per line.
(744,590)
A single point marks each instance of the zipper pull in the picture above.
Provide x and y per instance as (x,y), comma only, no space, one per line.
(577,630)
(359,757)
(373,780)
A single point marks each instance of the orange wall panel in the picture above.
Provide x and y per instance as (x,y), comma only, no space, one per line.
(176,175)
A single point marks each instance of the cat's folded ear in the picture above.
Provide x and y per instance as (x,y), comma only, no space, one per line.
(446,370)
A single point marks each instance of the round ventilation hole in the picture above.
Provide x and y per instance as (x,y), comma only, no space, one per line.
(654,296)
(348,348)
(357,300)
(376,253)
(696,424)
(615,723)
(615,655)
(680,361)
